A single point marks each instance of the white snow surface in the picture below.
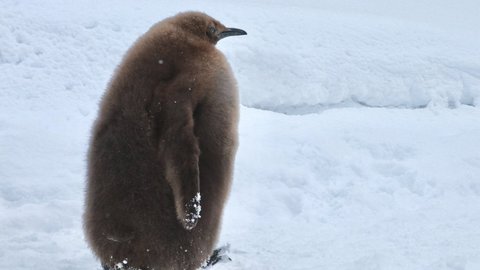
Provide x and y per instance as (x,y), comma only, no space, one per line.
(359,134)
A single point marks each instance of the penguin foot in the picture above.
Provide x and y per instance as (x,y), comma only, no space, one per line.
(219,255)
(119,266)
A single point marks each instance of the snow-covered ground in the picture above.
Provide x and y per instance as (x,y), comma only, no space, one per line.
(359,134)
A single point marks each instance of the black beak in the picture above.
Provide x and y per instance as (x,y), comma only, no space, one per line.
(231,32)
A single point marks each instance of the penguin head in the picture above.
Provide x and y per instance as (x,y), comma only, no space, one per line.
(205,27)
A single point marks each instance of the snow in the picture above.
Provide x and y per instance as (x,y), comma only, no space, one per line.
(375,61)
(357,188)
(358,135)
(192,218)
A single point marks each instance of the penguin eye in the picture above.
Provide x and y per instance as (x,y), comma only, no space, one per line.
(212,30)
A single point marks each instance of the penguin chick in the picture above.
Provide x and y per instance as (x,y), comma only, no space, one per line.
(162,149)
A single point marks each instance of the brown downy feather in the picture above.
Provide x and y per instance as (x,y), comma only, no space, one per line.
(166,131)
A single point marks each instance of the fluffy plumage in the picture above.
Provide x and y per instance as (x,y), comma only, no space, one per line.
(165,134)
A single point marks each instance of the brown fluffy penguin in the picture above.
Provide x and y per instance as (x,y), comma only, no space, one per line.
(162,150)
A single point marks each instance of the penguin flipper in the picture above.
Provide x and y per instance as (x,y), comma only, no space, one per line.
(182,170)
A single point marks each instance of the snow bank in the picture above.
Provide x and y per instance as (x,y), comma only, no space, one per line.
(299,57)
(302,60)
